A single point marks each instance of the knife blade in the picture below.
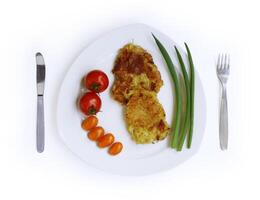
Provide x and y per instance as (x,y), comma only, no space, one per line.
(40,79)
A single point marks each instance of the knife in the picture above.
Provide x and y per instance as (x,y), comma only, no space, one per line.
(40,76)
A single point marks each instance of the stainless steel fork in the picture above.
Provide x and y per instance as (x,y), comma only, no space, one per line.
(223,66)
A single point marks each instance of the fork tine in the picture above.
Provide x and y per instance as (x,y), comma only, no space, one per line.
(228,62)
(222,62)
(225,64)
(218,64)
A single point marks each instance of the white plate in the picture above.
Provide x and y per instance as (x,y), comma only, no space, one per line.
(134,159)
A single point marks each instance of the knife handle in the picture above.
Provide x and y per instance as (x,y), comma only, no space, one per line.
(40,124)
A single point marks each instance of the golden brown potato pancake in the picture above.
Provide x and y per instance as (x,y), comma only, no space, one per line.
(145,118)
(134,69)
(137,82)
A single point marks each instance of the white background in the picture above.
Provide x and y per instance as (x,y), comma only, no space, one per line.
(60,30)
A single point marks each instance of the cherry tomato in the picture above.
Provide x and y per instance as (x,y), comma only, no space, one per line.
(96,81)
(105,140)
(89,123)
(95,133)
(90,103)
(115,148)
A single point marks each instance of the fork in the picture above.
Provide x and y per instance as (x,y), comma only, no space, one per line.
(223,73)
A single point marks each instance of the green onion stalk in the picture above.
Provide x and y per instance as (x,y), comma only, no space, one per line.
(192,94)
(171,67)
(186,125)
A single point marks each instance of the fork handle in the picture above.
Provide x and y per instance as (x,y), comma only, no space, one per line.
(223,121)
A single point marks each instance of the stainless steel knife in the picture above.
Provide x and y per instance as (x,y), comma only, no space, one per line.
(40,76)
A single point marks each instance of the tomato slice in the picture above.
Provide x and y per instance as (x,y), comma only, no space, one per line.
(89,123)
(106,140)
(115,148)
(95,133)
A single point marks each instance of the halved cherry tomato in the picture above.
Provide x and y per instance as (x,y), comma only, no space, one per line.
(90,103)
(106,140)
(95,133)
(96,81)
(115,148)
(89,123)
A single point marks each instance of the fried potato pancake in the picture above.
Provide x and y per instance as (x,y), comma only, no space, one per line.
(137,82)
(134,69)
(145,118)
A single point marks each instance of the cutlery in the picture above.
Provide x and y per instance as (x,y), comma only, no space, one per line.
(40,76)
(223,66)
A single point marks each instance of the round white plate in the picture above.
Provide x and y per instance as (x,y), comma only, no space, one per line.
(134,159)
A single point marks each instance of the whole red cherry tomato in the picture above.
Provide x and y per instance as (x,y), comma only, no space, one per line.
(96,81)
(90,103)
